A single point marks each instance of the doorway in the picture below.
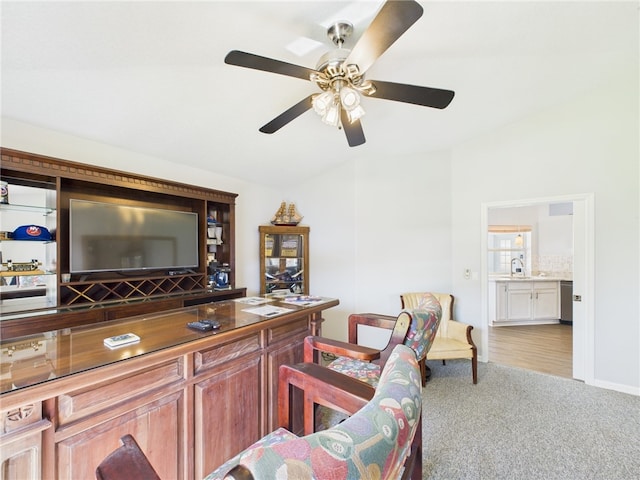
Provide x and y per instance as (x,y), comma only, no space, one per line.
(582,273)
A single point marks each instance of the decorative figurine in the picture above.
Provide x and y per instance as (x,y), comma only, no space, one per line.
(286,215)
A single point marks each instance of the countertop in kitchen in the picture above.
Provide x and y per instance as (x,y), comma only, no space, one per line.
(534,278)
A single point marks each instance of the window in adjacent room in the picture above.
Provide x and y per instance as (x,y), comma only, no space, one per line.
(508,242)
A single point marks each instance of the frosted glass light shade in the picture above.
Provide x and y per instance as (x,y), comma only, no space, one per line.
(355,113)
(349,98)
(519,241)
(322,102)
(332,117)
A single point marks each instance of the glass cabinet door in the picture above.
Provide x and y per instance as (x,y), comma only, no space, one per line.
(284,259)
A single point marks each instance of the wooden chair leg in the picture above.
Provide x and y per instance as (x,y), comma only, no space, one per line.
(474,366)
(413,465)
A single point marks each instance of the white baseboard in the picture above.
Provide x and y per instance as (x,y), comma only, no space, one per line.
(617,387)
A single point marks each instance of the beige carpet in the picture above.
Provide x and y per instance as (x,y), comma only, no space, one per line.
(518,424)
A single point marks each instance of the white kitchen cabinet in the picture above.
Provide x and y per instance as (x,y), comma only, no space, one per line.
(546,301)
(520,302)
(502,292)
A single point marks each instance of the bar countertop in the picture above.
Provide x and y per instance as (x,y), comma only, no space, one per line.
(34,359)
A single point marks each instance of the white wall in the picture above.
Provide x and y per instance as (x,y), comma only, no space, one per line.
(403,228)
(589,145)
(328,206)
(379,227)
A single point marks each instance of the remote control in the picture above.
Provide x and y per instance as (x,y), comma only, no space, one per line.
(201,326)
(119,340)
(214,323)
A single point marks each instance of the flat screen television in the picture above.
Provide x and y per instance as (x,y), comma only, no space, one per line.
(106,237)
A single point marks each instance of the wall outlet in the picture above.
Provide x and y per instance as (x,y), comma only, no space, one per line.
(467,273)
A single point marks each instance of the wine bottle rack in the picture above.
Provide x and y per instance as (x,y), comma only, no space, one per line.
(78,293)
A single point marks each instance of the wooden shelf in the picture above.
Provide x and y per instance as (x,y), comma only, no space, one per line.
(24,274)
(26,208)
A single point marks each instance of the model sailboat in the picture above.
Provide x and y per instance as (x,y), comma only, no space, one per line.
(286,215)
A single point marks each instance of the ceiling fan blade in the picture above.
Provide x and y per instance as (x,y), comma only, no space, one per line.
(394,18)
(250,60)
(353,131)
(400,92)
(287,116)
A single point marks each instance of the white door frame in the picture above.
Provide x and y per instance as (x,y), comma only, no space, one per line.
(584,285)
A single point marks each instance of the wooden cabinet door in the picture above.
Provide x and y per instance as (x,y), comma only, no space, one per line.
(156,426)
(22,459)
(228,414)
(284,259)
(21,445)
(288,354)
(21,453)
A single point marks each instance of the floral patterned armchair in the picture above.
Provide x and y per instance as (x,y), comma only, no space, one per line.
(415,328)
(379,441)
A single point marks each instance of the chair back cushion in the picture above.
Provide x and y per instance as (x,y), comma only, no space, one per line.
(425,319)
(417,299)
(372,443)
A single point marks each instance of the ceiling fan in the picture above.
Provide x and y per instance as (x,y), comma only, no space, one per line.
(340,73)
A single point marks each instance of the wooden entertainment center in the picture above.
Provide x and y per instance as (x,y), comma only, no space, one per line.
(85,299)
(191,399)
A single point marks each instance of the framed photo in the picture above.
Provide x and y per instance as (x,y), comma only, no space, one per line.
(290,246)
(268,245)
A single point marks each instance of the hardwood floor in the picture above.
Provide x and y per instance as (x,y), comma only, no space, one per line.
(542,348)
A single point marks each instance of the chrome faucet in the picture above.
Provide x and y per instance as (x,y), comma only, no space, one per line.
(519,260)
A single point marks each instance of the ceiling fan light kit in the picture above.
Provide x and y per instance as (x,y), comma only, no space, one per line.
(329,104)
(340,73)
(327,107)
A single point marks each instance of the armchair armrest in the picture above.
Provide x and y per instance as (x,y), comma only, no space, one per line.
(399,327)
(342,349)
(321,386)
(371,320)
(460,331)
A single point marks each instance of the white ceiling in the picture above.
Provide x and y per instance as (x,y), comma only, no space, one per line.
(149,76)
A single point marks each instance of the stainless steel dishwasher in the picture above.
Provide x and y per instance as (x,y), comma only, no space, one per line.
(566,302)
